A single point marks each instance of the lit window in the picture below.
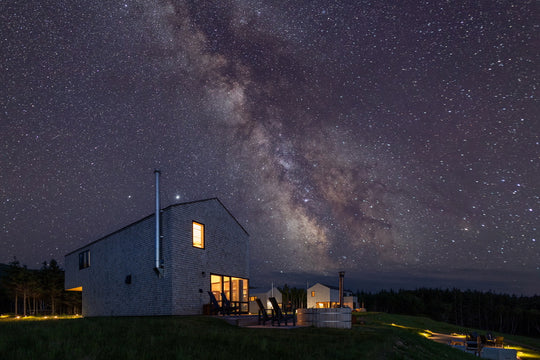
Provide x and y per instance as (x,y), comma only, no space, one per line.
(313,294)
(236,290)
(198,235)
(84,259)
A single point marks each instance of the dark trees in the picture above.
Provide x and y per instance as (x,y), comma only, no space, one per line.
(52,283)
(475,309)
(32,292)
(293,297)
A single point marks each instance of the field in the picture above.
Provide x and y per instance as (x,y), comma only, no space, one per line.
(200,337)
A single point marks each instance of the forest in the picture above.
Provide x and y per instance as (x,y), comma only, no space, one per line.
(28,292)
(511,314)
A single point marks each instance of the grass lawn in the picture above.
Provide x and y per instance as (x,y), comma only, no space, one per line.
(199,337)
(528,348)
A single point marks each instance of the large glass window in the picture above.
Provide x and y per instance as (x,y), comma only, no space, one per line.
(84,259)
(235,289)
(227,286)
(198,235)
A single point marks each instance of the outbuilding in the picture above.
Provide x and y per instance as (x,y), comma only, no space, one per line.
(327,296)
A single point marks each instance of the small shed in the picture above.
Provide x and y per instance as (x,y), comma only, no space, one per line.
(327,296)
(264,297)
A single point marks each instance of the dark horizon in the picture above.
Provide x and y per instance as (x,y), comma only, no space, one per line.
(399,281)
(388,281)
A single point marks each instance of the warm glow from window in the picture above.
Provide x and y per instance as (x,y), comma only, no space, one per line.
(215,286)
(198,235)
(313,294)
(236,290)
(75,289)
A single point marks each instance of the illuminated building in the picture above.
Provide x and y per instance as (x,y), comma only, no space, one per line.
(327,296)
(264,297)
(134,271)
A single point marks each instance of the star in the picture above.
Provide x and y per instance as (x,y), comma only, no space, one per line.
(349,135)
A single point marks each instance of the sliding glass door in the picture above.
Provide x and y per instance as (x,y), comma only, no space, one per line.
(235,289)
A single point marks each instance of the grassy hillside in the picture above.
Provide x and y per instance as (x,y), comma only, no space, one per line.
(419,322)
(529,348)
(209,338)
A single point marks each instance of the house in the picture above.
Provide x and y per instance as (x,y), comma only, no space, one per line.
(264,297)
(327,296)
(164,267)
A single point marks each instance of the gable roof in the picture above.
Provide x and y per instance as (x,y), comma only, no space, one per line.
(162,210)
(332,287)
(209,199)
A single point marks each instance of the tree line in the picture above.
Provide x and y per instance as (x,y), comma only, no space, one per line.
(36,292)
(511,314)
(293,296)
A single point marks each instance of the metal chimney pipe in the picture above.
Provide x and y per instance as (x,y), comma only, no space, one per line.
(158,209)
(341,277)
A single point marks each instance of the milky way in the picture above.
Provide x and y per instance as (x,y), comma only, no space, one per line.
(398,142)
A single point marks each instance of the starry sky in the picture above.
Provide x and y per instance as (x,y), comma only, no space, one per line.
(398,141)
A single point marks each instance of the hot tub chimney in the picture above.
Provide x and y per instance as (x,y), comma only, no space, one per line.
(341,277)
(159,267)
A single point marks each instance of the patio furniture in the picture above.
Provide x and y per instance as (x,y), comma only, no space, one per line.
(490,340)
(473,342)
(280,315)
(483,340)
(228,308)
(216,308)
(263,313)
(499,341)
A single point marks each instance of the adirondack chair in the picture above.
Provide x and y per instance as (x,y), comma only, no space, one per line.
(216,308)
(227,306)
(263,313)
(280,315)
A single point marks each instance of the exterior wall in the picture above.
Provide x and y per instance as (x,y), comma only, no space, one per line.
(350,301)
(131,251)
(322,294)
(226,252)
(328,295)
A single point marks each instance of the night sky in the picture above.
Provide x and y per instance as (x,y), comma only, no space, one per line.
(398,141)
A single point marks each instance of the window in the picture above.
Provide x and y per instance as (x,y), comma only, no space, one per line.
(198,235)
(235,289)
(313,294)
(84,259)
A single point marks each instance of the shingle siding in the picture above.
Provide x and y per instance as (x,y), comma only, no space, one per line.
(131,251)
